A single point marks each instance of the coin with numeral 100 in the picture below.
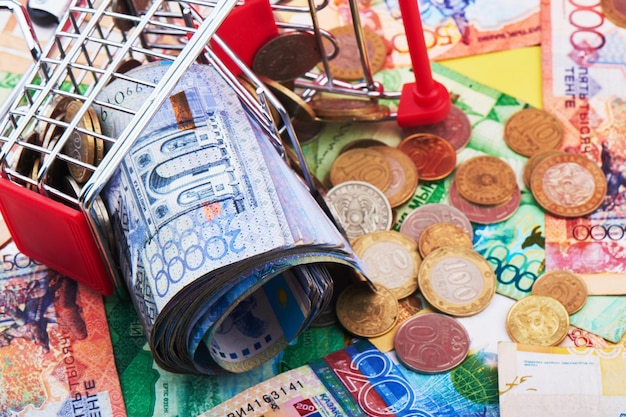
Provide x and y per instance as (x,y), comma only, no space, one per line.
(457,281)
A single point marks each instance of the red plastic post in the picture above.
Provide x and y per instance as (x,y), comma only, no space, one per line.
(425,101)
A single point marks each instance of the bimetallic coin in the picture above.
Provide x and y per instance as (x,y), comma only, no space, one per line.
(346,65)
(420,218)
(457,281)
(367,313)
(537,320)
(440,235)
(482,214)
(615,11)
(455,128)
(568,185)
(565,286)
(361,164)
(359,207)
(485,180)
(404,177)
(530,130)
(287,56)
(391,259)
(432,155)
(80,146)
(431,343)
(533,161)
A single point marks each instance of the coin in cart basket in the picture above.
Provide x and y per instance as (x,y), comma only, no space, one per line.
(346,64)
(485,180)
(431,343)
(457,281)
(359,207)
(335,109)
(293,103)
(83,146)
(365,312)
(537,320)
(287,56)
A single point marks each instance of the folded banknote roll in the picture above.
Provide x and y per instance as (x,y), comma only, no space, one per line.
(221,245)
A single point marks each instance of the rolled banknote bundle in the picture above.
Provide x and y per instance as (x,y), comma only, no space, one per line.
(221,245)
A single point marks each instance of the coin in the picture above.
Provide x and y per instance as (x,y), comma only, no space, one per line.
(359,207)
(346,65)
(482,214)
(404,177)
(391,259)
(361,164)
(615,11)
(287,56)
(455,128)
(530,130)
(568,185)
(367,313)
(565,286)
(294,105)
(442,234)
(537,320)
(457,281)
(362,143)
(417,220)
(306,131)
(432,155)
(347,109)
(431,343)
(485,180)
(533,161)
(80,146)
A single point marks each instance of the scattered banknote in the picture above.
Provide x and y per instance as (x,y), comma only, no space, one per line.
(584,86)
(558,381)
(451,29)
(54,338)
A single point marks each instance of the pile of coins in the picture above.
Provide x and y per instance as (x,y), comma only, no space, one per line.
(563,184)
(542,318)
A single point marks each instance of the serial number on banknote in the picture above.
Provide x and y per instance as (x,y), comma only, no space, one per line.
(270,399)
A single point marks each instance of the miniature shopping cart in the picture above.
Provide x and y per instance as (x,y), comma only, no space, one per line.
(66,226)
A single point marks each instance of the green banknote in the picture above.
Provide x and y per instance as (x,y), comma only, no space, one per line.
(150,391)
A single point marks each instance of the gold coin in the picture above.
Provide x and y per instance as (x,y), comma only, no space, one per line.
(457,281)
(367,313)
(565,286)
(568,185)
(328,109)
(537,320)
(485,180)
(615,11)
(294,105)
(404,177)
(442,234)
(361,164)
(391,259)
(346,65)
(530,130)
(82,146)
(533,161)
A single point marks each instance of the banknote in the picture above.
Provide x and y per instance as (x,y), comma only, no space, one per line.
(149,390)
(451,28)
(557,381)
(583,85)
(55,341)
